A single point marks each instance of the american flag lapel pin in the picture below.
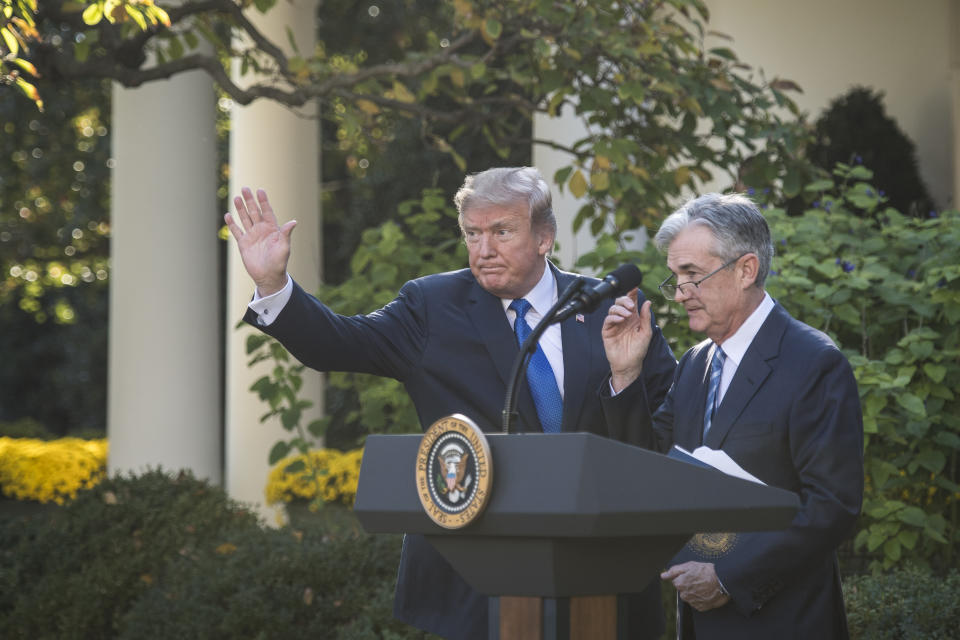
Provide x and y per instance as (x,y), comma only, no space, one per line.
(580,317)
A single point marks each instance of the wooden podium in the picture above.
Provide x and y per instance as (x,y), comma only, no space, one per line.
(573,519)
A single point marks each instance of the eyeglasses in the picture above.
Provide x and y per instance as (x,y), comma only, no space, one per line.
(669,290)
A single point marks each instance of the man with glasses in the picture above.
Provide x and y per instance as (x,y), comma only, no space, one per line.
(773,393)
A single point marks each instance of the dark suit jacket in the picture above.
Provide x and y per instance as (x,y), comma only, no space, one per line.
(449,342)
(791,416)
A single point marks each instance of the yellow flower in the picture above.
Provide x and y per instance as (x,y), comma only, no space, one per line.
(330,474)
(50,471)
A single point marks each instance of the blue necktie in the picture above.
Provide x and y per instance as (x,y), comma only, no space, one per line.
(540,378)
(716,370)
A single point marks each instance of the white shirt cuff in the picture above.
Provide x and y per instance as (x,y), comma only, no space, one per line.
(268,308)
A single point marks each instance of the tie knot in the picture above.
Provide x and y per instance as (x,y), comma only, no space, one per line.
(719,354)
(520,306)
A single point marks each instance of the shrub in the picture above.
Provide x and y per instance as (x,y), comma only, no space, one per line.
(905,604)
(25,428)
(73,574)
(275,584)
(163,556)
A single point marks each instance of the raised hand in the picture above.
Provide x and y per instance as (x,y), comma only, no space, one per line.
(264,245)
(626,338)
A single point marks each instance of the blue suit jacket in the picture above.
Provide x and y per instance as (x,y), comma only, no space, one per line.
(449,342)
(791,416)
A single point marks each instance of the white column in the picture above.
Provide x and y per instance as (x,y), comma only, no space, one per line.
(164,403)
(278,150)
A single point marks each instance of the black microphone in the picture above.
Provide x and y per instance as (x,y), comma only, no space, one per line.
(617,282)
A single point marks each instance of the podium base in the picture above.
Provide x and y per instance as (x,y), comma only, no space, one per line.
(573,618)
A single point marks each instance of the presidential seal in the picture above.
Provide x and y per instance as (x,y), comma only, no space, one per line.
(711,546)
(454,471)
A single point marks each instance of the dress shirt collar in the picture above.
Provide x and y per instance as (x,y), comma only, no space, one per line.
(541,297)
(736,345)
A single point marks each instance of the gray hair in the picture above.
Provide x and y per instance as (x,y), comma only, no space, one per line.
(736,223)
(505,187)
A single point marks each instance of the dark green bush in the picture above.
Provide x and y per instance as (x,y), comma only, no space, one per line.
(275,584)
(25,428)
(905,604)
(74,572)
(172,557)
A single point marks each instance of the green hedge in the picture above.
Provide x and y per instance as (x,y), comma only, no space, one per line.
(160,556)
(905,604)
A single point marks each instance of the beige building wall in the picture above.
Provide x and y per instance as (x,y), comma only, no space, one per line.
(829,46)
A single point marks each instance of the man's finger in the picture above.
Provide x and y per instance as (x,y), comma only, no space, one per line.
(265,208)
(672,573)
(242,212)
(626,302)
(232,225)
(287,228)
(645,316)
(253,210)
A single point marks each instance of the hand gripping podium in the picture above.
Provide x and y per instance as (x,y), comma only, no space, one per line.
(569,514)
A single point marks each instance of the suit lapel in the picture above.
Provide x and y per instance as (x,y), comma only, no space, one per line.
(577,356)
(492,327)
(750,376)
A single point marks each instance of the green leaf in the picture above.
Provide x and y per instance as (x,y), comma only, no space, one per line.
(935,372)
(875,539)
(913,516)
(175,50)
(279,452)
(255,341)
(791,184)
(908,538)
(891,549)
(935,535)
(932,460)
(493,28)
(296,466)
(911,403)
(819,185)
(947,439)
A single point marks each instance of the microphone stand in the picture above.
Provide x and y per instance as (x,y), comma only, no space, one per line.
(527,349)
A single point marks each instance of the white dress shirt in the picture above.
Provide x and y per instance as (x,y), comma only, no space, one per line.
(735,347)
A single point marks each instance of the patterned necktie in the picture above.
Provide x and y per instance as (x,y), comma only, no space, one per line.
(716,370)
(540,378)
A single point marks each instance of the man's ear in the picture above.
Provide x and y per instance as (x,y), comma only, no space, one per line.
(748,269)
(545,239)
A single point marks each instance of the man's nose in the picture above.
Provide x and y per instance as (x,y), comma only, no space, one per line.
(486,246)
